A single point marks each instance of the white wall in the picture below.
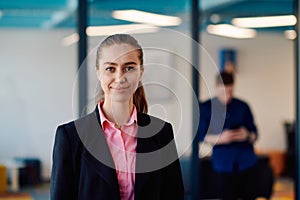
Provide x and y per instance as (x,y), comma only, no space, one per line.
(36,82)
(37,76)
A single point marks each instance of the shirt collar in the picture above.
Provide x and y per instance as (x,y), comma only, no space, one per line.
(103,118)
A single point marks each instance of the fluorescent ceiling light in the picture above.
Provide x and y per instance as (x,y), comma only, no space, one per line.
(290,34)
(1,13)
(146,18)
(231,31)
(109,30)
(130,28)
(270,21)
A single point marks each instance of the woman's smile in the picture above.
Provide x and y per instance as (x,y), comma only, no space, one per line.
(120,89)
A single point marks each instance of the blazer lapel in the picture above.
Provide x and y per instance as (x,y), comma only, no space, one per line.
(146,144)
(105,172)
(96,151)
(141,178)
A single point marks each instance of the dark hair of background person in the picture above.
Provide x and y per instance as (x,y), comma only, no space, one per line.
(225,78)
(139,97)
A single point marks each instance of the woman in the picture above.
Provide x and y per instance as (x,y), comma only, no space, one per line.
(118,151)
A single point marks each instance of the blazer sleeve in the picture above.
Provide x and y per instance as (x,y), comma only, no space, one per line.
(62,184)
(172,183)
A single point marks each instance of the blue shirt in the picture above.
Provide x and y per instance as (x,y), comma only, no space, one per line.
(236,156)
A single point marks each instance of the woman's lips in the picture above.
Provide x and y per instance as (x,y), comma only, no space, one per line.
(119,88)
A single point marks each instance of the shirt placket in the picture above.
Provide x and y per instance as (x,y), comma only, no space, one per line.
(128,141)
(121,162)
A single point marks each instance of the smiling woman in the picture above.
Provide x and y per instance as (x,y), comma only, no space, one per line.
(119,65)
(119,73)
(117,151)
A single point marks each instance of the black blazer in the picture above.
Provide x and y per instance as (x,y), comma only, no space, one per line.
(83,167)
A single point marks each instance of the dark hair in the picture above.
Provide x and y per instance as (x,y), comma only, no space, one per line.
(225,78)
(139,97)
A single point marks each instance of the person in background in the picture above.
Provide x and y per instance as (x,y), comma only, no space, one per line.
(227,123)
(118,152)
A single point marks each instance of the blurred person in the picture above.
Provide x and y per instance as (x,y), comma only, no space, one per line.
(104,155)
(227,123)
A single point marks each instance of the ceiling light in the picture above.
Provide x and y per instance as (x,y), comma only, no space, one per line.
(270,21)
(231,31)
(1,13)
(146,18)
(130,28)
(109,30)
(290,34)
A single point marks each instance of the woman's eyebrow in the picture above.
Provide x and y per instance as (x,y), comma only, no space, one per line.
(130,63)
(110,63)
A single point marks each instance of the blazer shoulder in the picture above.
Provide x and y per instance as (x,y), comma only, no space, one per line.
(66,134)
(71,129)
(67,126)
(71,125)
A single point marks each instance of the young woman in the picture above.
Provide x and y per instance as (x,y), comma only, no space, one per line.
(117,151)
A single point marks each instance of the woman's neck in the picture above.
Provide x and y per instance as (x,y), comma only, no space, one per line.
(118,112)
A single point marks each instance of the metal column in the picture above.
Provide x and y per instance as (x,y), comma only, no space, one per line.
(195,171)
(82,53)
(297,82)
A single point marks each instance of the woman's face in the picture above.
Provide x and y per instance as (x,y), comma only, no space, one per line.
(119,72)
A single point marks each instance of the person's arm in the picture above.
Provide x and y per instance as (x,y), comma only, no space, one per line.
(252,133)
(247,133)
(62,177)
(228,136)
(203,130)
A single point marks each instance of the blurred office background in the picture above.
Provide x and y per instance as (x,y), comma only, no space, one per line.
(39,72)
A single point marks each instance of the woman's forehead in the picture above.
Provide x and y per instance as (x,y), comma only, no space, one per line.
(118,49)
(118,52)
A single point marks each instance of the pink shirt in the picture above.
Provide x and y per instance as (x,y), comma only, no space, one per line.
(122,144)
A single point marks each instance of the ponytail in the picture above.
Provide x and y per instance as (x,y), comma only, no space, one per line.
(139,99)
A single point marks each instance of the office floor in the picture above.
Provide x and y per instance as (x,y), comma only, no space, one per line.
(40,192)
(283,190)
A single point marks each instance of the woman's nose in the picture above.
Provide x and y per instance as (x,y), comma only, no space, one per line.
(120,76)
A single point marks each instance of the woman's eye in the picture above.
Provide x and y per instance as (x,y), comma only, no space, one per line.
(111,69)
(129,68)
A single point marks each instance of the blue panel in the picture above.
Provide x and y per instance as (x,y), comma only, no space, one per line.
(157,6)
(33,4)
(14,11)
(25,22)
(261,7)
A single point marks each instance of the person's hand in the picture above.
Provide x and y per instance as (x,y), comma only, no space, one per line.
(231,135)
(227,136)
(240,134)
